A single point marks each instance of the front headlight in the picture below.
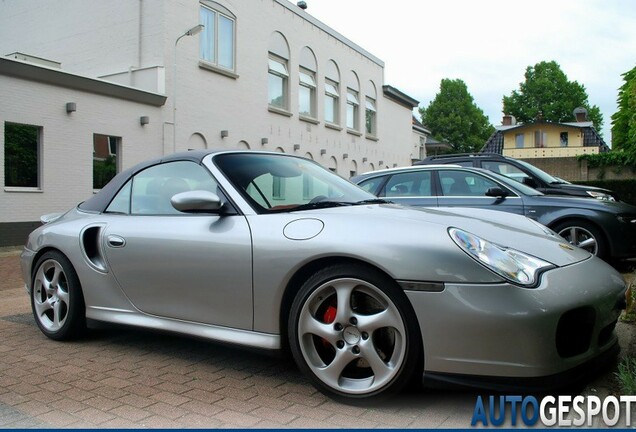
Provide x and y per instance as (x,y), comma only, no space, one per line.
(511,264)
(600,195)
(626,218)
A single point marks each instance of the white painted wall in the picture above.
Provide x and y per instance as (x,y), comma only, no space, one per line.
(66,175)
(108,39)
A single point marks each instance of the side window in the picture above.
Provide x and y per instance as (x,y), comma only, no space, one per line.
(504,168)
(150,191)
(468,164)
(409,184)
(467,184)
(371,185)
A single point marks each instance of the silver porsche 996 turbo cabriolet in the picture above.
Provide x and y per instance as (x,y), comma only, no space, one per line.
(273,251)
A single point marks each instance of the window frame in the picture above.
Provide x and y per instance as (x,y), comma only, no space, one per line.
(283,75)
(332,95)
(353,102)
(110,140)
(370,120)
(219,12)
(39,162)
(307,80)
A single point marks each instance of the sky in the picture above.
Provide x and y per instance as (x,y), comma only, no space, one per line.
(489,44)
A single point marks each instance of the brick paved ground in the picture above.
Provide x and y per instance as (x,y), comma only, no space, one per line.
(130,378)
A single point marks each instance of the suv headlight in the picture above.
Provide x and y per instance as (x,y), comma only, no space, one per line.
(600,195)
(511,264)
(626,218)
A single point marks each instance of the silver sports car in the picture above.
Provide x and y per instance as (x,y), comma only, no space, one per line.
(272,251)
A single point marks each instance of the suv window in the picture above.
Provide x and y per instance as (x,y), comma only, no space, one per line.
(371,185)
(459,183)
(409,184)
(505,168)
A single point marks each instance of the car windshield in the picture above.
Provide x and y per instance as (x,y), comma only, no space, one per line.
(278,183)
(515,185)
(539,173)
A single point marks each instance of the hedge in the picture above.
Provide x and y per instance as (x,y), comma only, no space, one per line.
(626,189)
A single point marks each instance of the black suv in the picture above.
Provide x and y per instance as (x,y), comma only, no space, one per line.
(522,172)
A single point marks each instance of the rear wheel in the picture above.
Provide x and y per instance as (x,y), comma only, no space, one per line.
(584,235)
(354,334)
(56,297)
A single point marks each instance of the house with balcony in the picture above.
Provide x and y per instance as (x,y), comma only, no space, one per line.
(543,139)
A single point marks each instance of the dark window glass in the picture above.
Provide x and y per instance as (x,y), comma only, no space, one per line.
(21,155)
(105,159)
(409,184)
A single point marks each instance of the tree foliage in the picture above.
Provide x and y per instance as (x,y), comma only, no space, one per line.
(454,118)
(624,120)
(547,93)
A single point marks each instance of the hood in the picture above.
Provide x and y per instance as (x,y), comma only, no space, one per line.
(569,201)
(504,229)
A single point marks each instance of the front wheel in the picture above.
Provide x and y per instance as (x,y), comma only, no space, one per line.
(584,235)
(353,332)
(56,297)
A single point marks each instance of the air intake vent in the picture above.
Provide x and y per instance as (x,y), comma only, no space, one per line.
(92,249)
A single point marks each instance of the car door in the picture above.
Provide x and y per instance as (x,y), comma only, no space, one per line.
(192,267)
(413,188)
(467,188)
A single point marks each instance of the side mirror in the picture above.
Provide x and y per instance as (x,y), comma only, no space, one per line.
(496,192)
(197,201)
(530,182)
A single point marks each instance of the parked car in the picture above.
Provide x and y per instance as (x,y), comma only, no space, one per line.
(604,228)
(273,251)
(523,172)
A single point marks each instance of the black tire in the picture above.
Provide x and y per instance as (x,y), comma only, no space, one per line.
(368,347)
(585,231)
(57,301)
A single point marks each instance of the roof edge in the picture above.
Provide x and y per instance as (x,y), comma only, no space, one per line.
(399,97)
(33,72)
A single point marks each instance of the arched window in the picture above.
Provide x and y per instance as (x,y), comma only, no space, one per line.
(278,76)
(307,84)
(218,38)
(353,101)
(353,169)
(333,164)
(371,121)
(332,93)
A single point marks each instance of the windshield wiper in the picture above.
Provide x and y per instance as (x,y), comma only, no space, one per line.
(374,201)
(320,204)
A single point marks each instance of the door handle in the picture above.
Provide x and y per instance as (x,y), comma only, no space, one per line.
(115,241)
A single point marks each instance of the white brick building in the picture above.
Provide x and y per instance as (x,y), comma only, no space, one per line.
(263,74)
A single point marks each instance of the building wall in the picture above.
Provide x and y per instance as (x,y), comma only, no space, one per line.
(132,43)
(548,152)
(114,39)
(89,37)
(66,142)
(572,169)
(553,132)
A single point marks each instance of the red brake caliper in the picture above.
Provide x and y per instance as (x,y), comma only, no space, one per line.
(328,317)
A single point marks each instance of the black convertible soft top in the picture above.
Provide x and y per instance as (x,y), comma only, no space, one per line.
(98,202)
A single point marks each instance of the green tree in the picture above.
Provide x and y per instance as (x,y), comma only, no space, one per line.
(547,92)
(624,120)
(454,118)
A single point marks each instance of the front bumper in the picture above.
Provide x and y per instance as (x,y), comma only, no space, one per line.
(502,330)
(26,264)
